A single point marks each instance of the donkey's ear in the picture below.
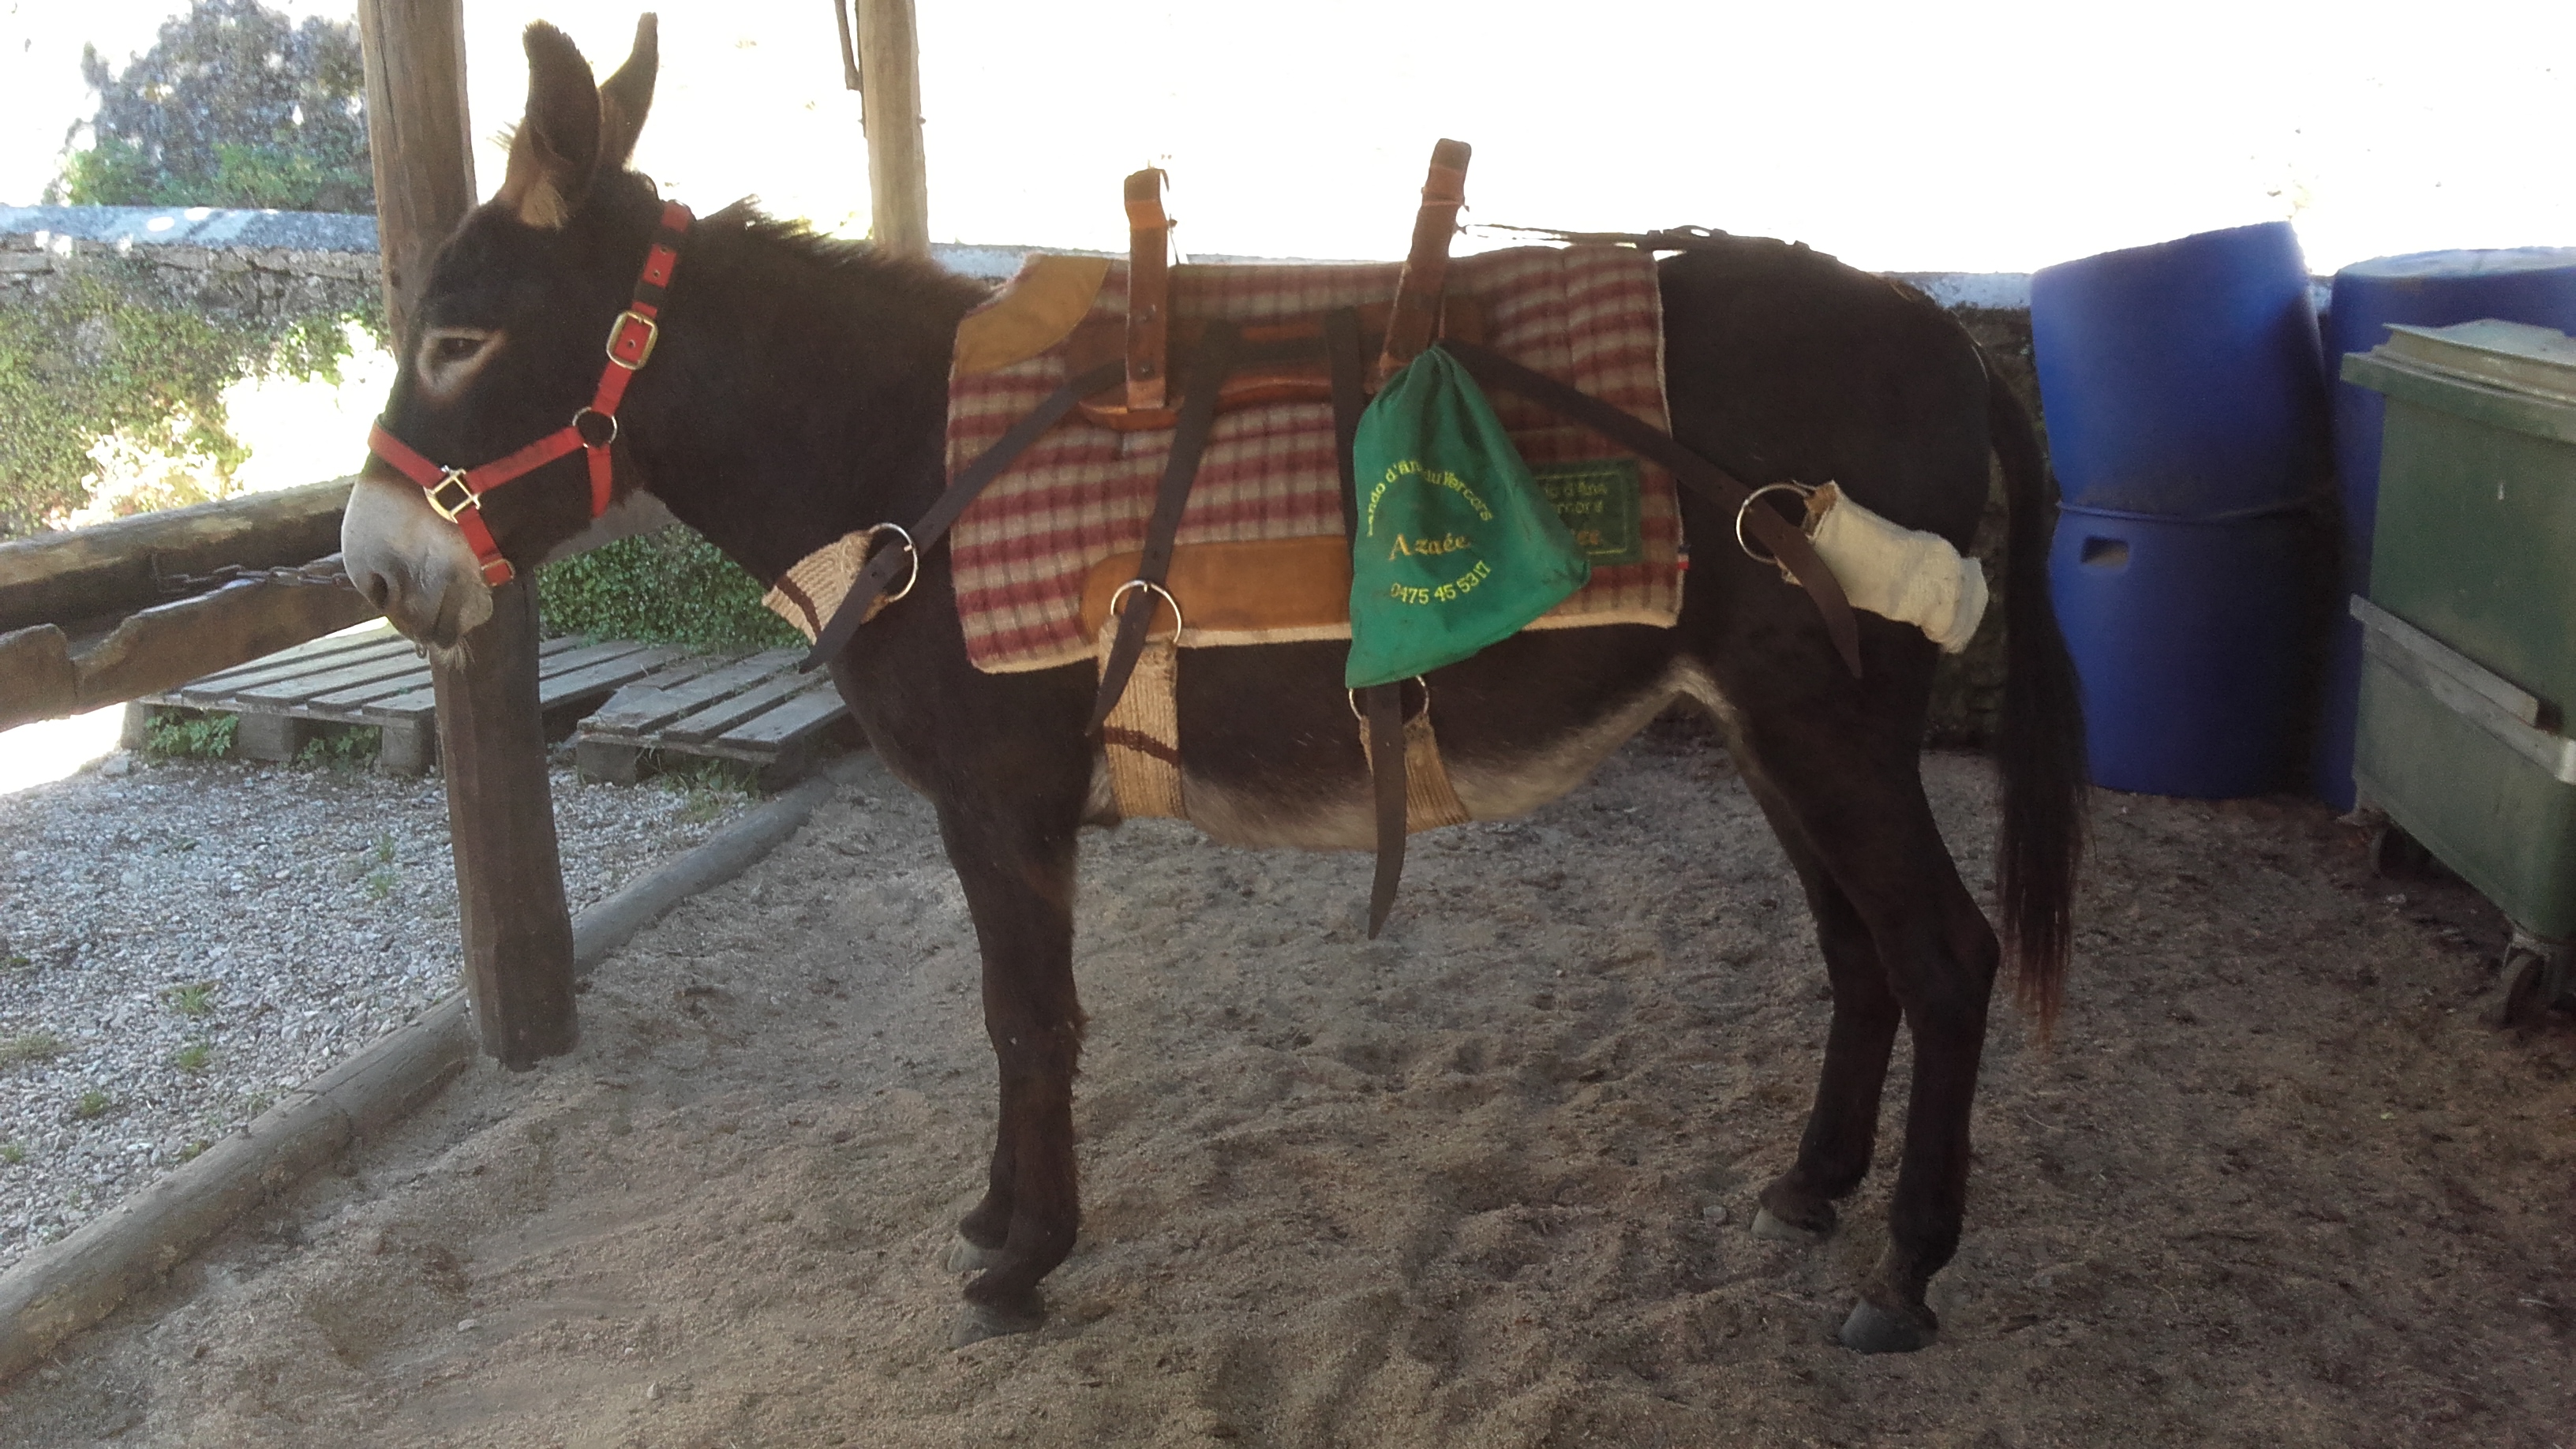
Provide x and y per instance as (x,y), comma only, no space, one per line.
(557,144)
(627,95)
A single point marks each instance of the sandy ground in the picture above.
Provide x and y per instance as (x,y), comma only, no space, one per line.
(1486,1182)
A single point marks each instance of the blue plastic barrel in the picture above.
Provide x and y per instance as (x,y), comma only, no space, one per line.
(2183,380)
(2185,635)
(2423,289)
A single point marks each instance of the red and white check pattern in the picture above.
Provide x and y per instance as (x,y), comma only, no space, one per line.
(1588,316)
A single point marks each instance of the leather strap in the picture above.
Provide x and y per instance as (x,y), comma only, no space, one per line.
(970,481)
(1426,267)
(1149,290)
(1348,368)
(1385,703)
(1198,418)
(1787,542)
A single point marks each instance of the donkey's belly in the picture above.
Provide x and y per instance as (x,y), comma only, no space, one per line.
(1336,810)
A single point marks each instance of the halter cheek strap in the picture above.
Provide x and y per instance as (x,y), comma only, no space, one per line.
(456,494)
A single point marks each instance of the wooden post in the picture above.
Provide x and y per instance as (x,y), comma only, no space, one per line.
(501,822)
(890,109)
(418,130)
(500,812)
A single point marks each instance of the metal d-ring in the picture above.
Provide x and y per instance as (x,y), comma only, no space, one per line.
(592,412)
(915,577)
(1354,696)
(1803,490)
(1159,592)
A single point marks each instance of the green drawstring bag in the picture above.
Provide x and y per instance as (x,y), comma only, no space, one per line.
(1456,546)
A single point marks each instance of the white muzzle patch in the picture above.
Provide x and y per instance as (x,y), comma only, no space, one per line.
(411,563)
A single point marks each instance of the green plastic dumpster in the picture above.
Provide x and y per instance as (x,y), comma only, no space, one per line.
(2469,633)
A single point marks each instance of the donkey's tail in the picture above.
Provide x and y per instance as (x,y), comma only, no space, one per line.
(2042,741)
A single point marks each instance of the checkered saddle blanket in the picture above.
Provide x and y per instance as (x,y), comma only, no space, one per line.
(1266,508)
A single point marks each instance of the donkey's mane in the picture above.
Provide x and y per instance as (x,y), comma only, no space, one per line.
(913,281)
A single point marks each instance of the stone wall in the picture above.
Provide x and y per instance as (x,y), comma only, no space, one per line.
(260,266)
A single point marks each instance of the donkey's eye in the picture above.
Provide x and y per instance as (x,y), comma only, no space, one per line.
(450,356)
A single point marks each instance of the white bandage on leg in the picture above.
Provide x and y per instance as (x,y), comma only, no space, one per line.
(1901,573)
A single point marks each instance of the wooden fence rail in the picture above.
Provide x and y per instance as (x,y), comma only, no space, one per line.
(90,575)
(87,618)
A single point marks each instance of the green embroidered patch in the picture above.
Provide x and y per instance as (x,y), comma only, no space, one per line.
(1598,501)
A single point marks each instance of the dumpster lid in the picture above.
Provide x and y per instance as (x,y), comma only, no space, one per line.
(2512,355)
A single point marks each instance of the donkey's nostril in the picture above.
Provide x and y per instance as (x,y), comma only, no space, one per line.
(377,590)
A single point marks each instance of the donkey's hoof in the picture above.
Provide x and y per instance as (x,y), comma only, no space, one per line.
(1872,1329)
(981,1321)
(1766,1224)
(965,1257)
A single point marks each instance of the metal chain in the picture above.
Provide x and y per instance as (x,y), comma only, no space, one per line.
(322,573)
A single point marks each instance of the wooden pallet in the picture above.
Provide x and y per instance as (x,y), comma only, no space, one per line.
(756,712)
(376,678)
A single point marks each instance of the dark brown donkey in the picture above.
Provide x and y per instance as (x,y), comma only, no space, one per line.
(797,394)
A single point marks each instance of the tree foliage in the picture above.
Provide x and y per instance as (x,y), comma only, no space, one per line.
(234,105)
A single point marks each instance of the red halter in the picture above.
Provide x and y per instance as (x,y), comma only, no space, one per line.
(457,493)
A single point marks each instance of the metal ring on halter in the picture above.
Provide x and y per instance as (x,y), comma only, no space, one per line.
(1803,490)
(1363,719)
(915,577)
(591,412)
(1159,592)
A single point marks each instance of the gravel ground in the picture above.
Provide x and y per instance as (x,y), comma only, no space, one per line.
(182,942)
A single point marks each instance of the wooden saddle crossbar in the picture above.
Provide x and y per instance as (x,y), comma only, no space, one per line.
(1128,374)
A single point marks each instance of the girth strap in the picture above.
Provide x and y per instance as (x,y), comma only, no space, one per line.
(1386,774)
(970,481)
(1385,702)
(1787,542)
(1189,440)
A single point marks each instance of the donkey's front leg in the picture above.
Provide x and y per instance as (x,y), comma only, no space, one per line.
(1017,867)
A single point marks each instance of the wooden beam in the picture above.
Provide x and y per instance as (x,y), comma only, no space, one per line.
(45,674)
(890,109)
(37,680)
(500,812)
(116,568)
(165,647)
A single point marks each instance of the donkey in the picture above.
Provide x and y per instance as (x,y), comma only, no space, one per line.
(798,394)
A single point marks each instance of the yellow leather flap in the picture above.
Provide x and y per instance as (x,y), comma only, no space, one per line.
(1038,309)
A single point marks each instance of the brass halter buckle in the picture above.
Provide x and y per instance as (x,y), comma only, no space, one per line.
(465,499)
(617,334)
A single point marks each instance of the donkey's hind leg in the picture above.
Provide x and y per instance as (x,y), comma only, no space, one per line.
(1850,800)
(1842,1127)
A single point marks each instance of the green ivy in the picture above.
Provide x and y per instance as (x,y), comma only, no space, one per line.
(190,734)
(670,587)
(87,361)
